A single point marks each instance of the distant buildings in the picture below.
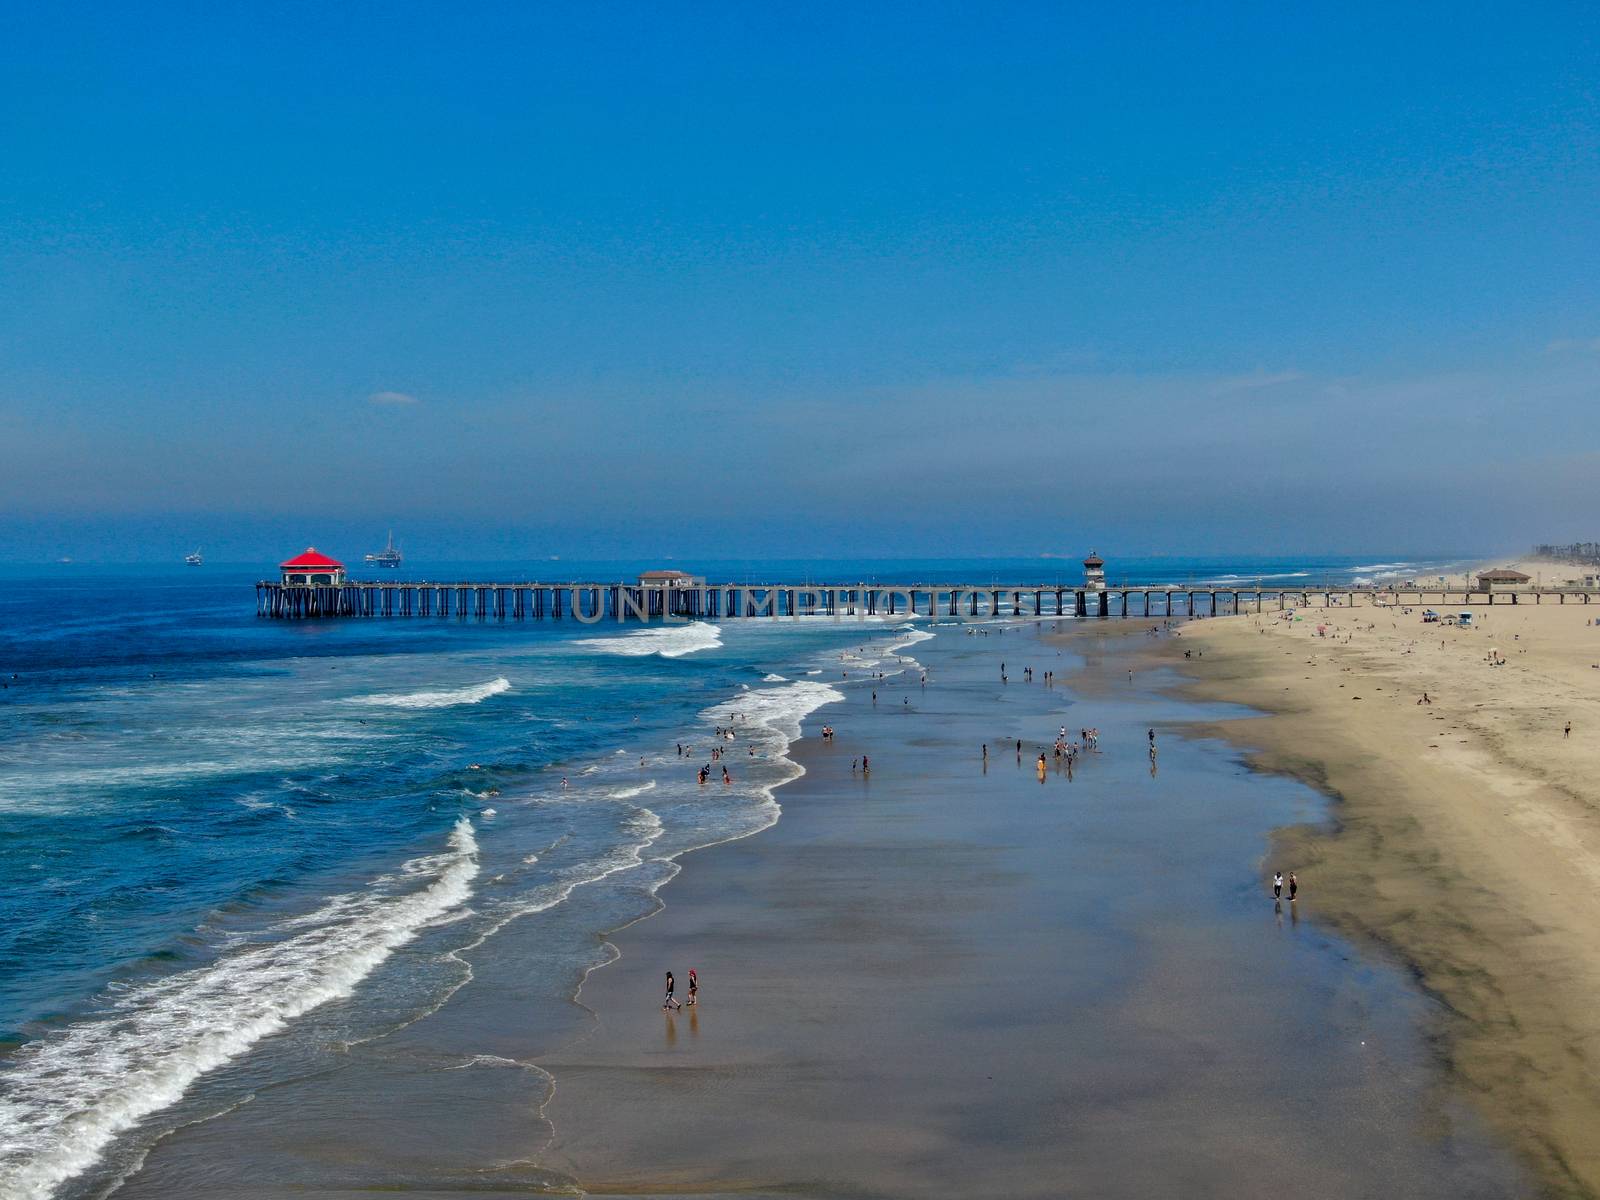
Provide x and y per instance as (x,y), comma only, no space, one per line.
(1572,551)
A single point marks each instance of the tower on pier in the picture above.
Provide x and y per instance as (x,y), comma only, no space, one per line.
(1094,573)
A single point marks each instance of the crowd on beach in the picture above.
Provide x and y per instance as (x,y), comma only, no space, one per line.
(1067,751)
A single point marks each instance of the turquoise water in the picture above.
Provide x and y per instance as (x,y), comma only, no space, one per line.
(233,843)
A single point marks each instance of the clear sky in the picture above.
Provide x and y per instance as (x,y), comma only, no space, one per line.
(805,279)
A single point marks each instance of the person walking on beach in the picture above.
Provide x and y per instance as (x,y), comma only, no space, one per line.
(1294,886)
(669,1004)
(865,769)
(1277,885)
(694,986)
(1568,731)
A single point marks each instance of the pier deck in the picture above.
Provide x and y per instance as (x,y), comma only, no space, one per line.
(592,603)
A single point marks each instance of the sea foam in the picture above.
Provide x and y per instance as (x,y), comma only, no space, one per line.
(475,693)
(70,1093)
(780,709)
(669,641)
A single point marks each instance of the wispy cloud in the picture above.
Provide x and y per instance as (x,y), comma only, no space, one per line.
(1561,345)
(1255,381)
(392,399)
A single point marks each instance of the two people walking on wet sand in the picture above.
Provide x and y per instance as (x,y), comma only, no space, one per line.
(1277,885)
(672,1005)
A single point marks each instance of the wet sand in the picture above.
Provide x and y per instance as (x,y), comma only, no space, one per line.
(946,981)
(1466,837)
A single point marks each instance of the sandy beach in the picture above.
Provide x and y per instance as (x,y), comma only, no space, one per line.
(1465,835)
(953,980)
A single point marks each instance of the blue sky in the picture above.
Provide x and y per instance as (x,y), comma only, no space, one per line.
(964,279)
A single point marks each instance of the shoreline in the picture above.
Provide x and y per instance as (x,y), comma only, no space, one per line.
(1458,842)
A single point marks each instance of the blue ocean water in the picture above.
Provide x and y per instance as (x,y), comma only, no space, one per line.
(216,825)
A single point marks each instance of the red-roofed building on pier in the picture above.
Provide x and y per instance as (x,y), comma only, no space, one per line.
(312,567)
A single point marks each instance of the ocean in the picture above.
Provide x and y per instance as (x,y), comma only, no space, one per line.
(236,848)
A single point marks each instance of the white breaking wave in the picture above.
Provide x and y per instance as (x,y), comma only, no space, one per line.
(774,678)
(908,637)
(69,1094)
(475,693)
(638,789)
(1256,578)
(669,641)
(780,709)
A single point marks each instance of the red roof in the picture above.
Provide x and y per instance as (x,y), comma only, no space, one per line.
(310,561)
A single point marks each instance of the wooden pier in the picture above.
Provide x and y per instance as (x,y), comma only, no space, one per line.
(592,603)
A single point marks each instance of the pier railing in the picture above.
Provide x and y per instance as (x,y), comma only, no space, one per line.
(592,603)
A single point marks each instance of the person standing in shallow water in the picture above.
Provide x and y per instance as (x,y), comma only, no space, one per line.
(1294,886)
(669,1002)
(1277,885)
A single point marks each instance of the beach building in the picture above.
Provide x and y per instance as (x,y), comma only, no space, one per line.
(670,579)
(1501,579)
(312,567)
(1094,573)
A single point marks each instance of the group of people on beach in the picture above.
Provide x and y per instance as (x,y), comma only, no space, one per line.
(1277,886)
(671,1003)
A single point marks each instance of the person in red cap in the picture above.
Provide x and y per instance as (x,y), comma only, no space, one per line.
(694,985)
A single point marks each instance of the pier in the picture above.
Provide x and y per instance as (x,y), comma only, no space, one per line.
(592,602)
